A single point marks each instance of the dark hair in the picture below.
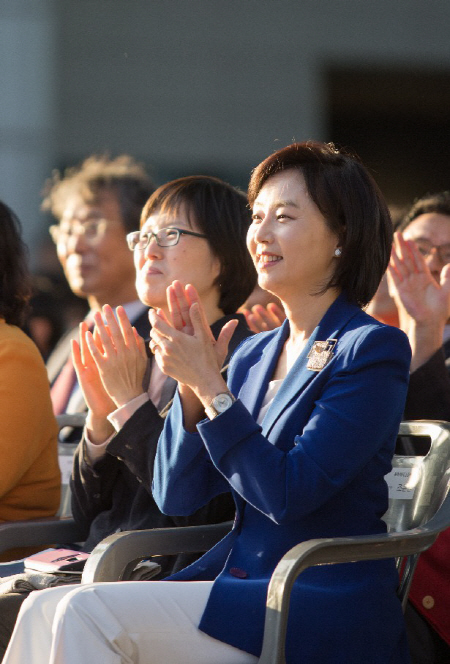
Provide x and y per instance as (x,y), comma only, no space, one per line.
(353,207)
(123,176)
(439,203)
(221,213)
(15,279)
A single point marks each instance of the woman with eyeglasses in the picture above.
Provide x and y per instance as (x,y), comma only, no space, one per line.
(302,432)
(192,229)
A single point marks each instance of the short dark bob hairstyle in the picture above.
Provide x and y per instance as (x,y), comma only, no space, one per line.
(352,204)
(220,212)
(15,279)
(438,203)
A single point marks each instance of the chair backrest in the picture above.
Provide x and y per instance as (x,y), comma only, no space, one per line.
(65,457)
(418,484)
(418,480)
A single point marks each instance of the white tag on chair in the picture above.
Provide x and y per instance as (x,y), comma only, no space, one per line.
(402,482)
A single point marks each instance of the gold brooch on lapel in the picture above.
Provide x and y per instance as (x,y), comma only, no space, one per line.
(320,354)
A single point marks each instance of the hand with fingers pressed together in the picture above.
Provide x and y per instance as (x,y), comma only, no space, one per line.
(110,366)
(123,361)
(186,350)
(413,285)
(422,301)
(97,399)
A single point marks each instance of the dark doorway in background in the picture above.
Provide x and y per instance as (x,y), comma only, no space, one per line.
(398,121)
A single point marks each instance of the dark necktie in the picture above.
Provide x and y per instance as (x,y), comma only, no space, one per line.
(62,388)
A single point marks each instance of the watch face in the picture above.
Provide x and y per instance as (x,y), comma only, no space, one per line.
(221,402)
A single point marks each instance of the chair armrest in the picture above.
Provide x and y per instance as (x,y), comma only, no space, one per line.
(329,551)
(116,556)
(324,552)
(71,420)
(37,532)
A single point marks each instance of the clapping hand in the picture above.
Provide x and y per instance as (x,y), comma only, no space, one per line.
(95,395)
(262,319)
(119,355)
(184,345)
(413,287)
(422,302)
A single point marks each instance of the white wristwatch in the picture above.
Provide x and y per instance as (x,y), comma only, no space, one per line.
(219,404)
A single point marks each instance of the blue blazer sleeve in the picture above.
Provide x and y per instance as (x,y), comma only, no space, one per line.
(353,423)
(182,458)
(334,425)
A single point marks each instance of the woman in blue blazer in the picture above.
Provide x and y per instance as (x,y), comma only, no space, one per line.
(303,434)
(306,430)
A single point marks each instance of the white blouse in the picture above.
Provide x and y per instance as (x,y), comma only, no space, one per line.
(273,388)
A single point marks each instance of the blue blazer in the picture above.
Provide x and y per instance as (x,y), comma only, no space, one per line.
(314,469)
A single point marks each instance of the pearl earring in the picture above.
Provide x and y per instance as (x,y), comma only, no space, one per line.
(337,252)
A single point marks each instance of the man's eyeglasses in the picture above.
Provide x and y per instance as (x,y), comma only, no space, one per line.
(166,237)
(92,230)
(443,250)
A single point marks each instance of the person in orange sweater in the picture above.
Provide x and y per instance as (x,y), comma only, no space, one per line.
(30,480)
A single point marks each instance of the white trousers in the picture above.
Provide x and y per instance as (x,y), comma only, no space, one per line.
(133,622)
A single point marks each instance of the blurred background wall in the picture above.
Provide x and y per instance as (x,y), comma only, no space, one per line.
(214,86)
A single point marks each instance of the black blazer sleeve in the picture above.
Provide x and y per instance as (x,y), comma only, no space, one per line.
(91,487)
(429,391)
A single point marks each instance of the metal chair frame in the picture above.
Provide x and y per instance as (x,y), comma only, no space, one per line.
(414,523)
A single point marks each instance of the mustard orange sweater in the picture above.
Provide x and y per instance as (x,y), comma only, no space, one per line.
(29,472)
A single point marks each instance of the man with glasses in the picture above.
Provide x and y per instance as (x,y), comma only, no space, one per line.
(111,480)
(96,204)
(419,280)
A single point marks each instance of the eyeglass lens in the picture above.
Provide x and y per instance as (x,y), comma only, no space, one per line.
(91,229)
(166,237)
(443,250)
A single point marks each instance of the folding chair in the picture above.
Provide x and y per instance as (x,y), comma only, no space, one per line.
(419,509)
